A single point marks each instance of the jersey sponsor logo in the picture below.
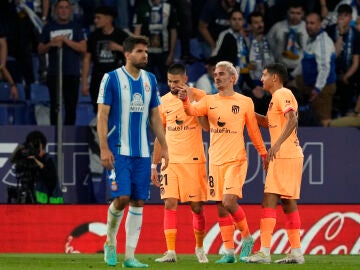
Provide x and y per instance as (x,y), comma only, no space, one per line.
(235,109)
(137,104)
(179,122)
(219,123)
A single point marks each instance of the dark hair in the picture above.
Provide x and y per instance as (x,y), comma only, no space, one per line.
(58,1)
(344,9)
(278,69)
(236,10)
(105,10)
(36,137)
(177,69)
(253,15)
(295,4)
(131,41)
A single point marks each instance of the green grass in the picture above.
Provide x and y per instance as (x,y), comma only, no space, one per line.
(9,261)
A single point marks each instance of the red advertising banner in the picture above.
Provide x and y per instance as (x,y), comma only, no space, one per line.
(326,229)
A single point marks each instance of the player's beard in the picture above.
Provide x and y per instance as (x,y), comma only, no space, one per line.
(140,65)
(174,91)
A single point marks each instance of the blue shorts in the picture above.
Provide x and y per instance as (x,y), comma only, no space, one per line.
(132,177)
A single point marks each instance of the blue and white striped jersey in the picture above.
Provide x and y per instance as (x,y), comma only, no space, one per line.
(131,101)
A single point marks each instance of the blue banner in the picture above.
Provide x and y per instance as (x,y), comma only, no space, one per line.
(331,173)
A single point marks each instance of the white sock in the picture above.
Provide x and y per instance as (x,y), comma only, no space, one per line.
(114,218)
(230,251)
(265,250)
(296,251)
(133,228)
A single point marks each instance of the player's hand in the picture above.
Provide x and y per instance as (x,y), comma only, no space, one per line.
(155,177)
(272,152)
(182,94)
(265,162)
(14,94)
(107,159)
(85,89)
(165,157)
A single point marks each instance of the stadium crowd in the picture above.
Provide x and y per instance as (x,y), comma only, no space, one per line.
(318,41)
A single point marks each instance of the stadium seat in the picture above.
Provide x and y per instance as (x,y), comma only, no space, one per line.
(39,93)
(13,112)
(84,114)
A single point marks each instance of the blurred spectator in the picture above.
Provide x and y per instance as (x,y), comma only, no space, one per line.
(104,50)
(214,19)
(260,55)
(158,21)
(4,73)
(185,28)
(63,33)
(287,38)
(231,46)
(331,16)
(347,48)
(351,120)
(318,69)
(206,81)
(249,6)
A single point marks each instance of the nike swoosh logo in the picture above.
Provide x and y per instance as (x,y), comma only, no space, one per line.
(227,188)
(192,196)
(168,111)
(211,108)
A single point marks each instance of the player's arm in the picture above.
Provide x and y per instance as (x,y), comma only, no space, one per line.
(155,160)
(290,125)
(107,158)
(85,74)
(262,120)
(158,129)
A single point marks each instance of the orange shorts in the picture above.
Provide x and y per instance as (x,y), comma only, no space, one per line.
(185,182)
(227,178)
(284,177)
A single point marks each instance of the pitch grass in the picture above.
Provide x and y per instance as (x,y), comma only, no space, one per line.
(10,261)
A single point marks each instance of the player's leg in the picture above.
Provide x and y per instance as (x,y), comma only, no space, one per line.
(119,183)
(227,230)
(169,192)
(170,230)
(292,227)
(289,204)
(234,181)
(140,184)
(198,218)
(267,225)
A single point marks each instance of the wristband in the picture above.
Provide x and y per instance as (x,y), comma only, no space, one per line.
(153,166)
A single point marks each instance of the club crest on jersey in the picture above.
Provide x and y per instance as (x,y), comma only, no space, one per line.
(137,104)
(235,109)
(147,87)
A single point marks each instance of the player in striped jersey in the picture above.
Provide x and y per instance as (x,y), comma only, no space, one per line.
(127,106)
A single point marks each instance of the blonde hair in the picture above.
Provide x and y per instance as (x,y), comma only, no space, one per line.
(229,67)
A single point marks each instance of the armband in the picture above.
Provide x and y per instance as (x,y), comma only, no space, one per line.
(264,156)
(153,166)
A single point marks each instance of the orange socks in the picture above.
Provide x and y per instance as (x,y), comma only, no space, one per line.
(199,228)
(241,222)
(267,225)
(292,227)
(170,228)
(227,231)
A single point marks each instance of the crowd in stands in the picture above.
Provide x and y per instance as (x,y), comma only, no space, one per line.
(317,40)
